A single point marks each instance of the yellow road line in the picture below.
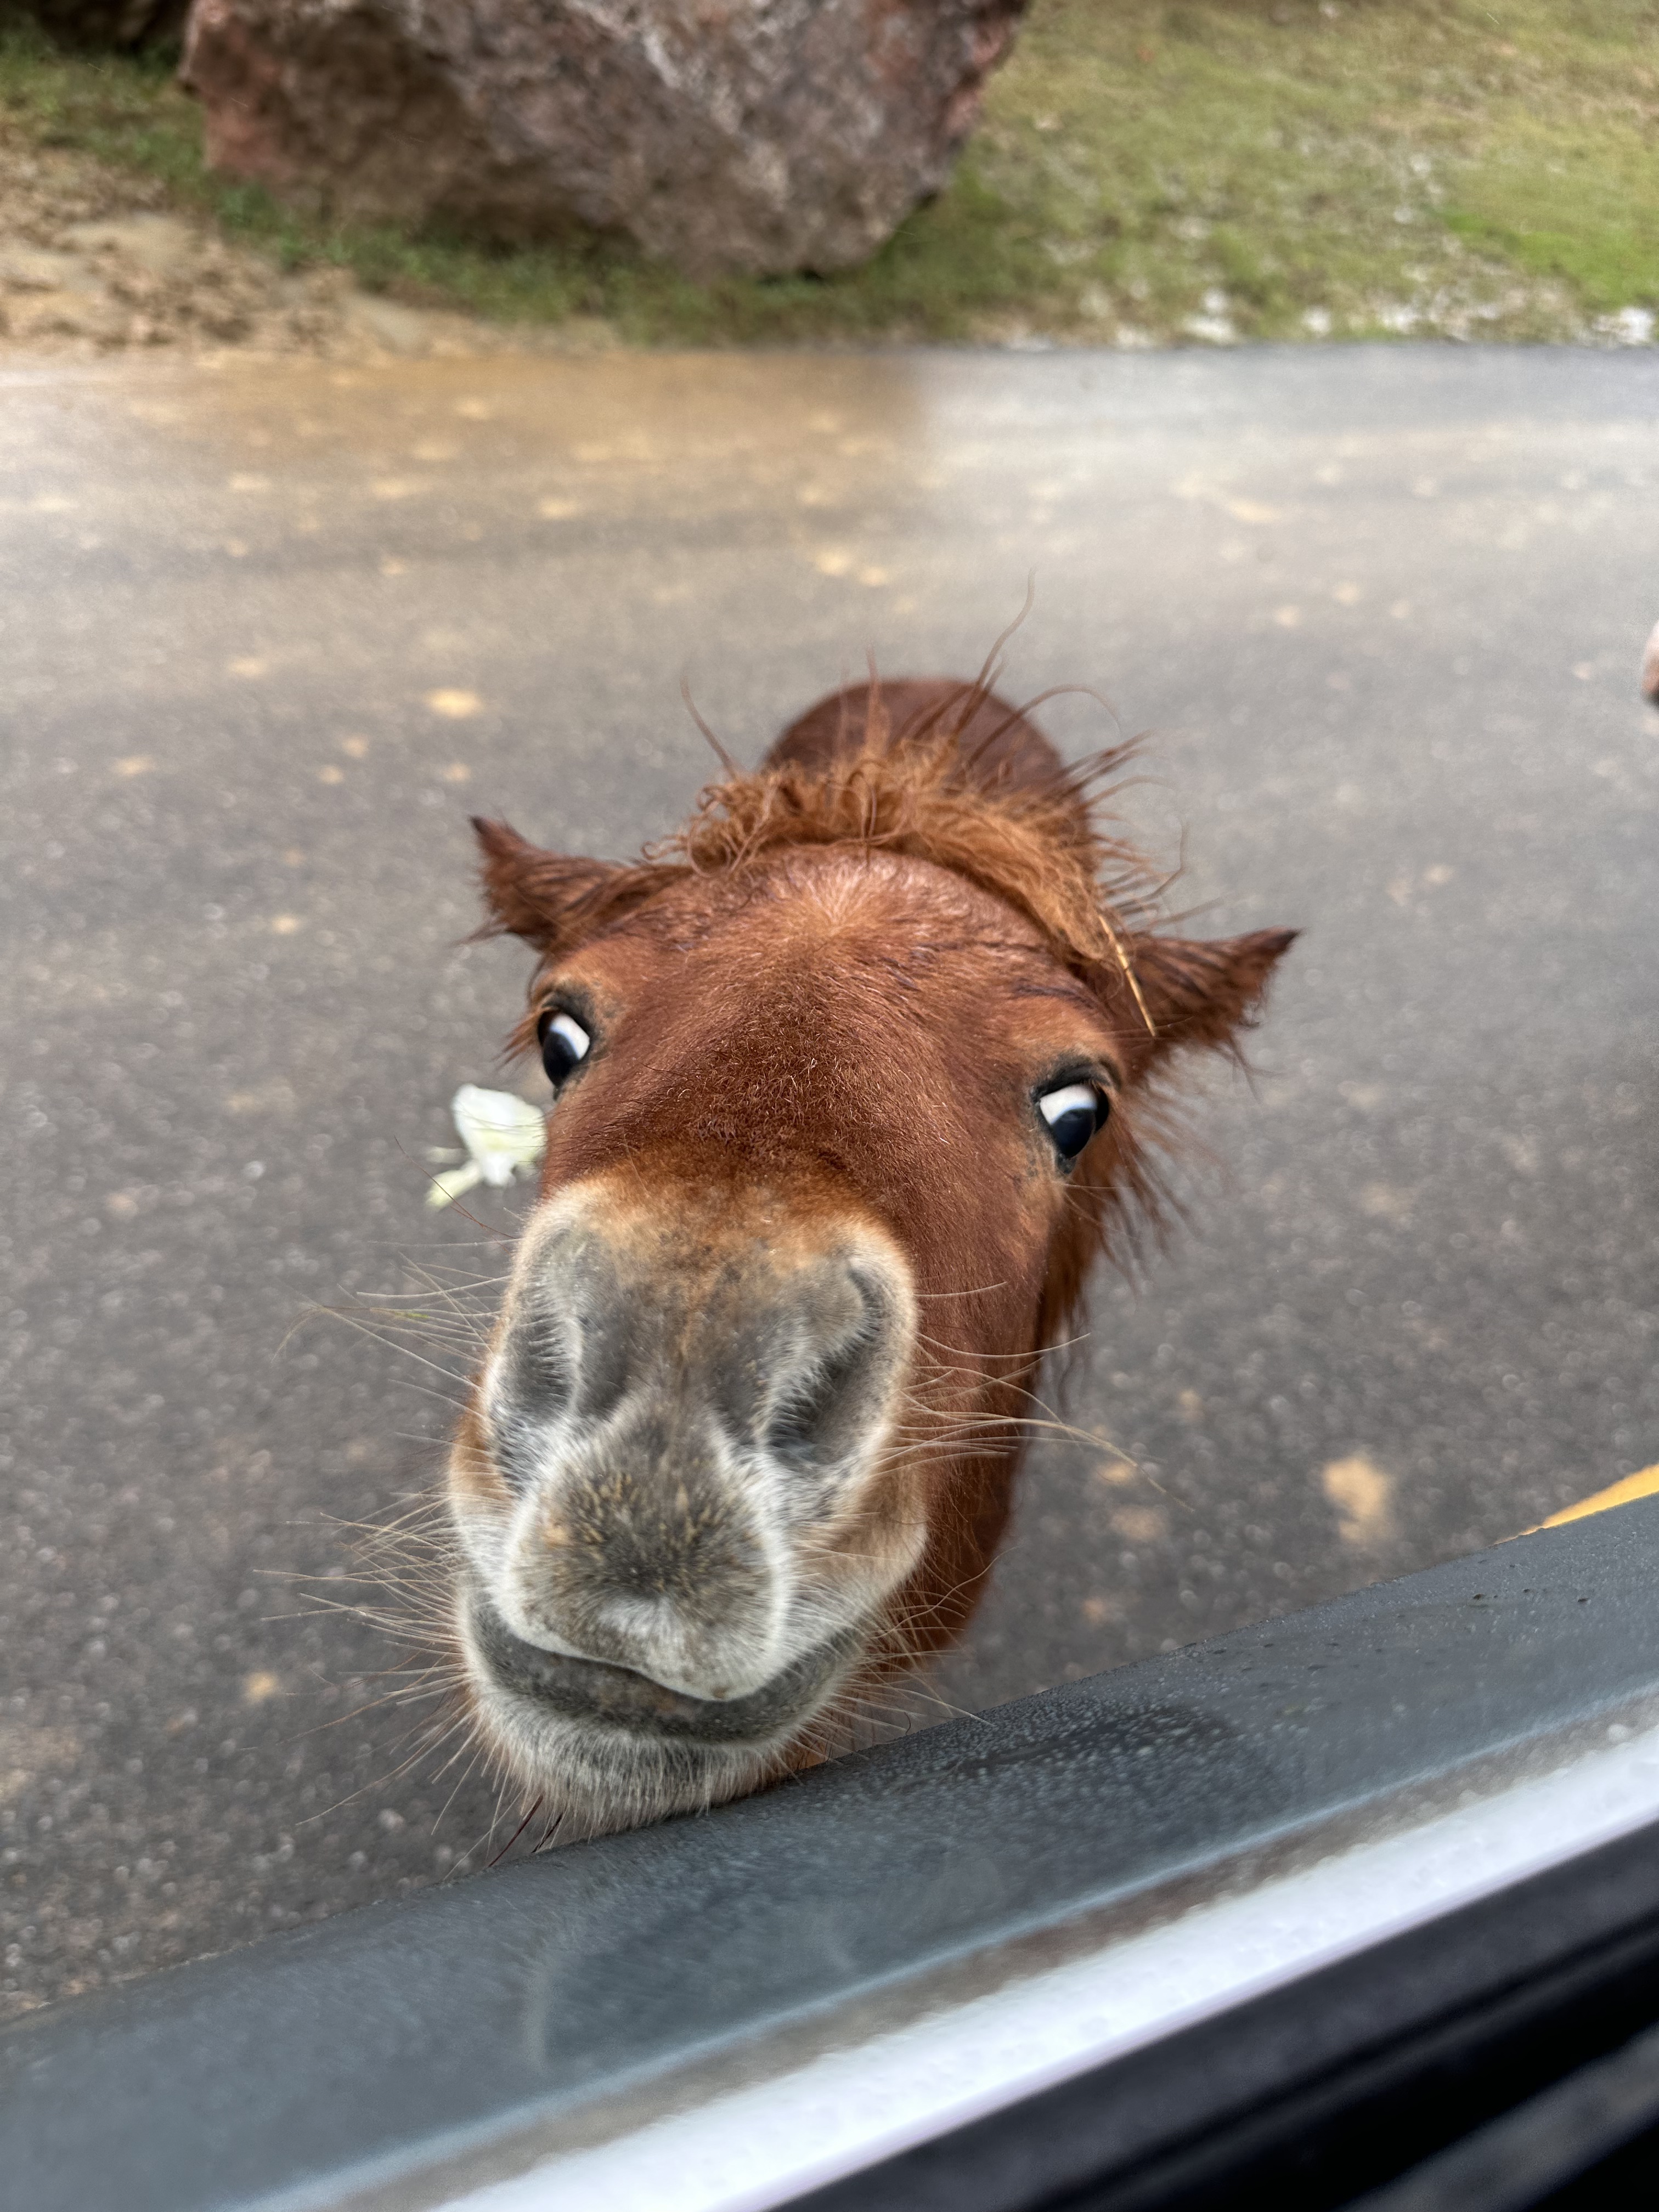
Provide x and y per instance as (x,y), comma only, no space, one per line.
(1644,1485)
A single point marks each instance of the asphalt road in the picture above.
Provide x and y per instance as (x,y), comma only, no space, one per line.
(266,636)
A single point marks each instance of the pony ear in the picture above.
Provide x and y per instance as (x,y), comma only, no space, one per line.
(1203,992)
(538,895)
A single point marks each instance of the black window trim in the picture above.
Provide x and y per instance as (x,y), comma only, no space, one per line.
(410,2053)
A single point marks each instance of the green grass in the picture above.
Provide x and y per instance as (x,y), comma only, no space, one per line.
(1143,171)
(1560,204)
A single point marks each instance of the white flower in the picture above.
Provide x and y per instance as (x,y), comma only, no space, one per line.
(503,1135)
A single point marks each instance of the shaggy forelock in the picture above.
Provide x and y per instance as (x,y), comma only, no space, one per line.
(1050,850)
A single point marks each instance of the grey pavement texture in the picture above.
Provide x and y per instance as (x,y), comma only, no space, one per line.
(267,634)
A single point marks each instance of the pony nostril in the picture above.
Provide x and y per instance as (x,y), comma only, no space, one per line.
(541,1377)
(838,1392)
(532,1390)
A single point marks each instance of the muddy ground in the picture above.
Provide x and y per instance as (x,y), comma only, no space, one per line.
(94,261)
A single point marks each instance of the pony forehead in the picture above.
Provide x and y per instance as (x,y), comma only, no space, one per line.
(894,901)
(870,938)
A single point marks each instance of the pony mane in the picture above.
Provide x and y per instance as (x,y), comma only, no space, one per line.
(1047,846)
(1044,849)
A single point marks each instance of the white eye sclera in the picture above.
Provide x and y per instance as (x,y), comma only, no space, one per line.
(1073,1112)
(564,1043)
(1055,1105)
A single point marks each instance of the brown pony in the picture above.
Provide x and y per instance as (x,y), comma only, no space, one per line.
(854,1077)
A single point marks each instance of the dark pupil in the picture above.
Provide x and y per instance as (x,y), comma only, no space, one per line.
(558,1057)
(1073,1130)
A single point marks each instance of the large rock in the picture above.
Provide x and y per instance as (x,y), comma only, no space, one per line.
(108,22)
(750,135)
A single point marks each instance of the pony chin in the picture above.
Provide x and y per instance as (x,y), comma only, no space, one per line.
(581,1780)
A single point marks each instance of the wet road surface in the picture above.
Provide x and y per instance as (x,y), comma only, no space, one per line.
(269,635)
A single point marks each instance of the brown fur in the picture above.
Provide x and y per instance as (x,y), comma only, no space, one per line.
(908,905)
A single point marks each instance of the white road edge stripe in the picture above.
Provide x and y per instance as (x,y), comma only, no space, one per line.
(847,2109)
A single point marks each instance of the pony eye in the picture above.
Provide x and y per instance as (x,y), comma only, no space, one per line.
(564,1042)
(1073,1112)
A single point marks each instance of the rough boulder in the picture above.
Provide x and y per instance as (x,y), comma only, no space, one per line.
(108,22)
(759,135)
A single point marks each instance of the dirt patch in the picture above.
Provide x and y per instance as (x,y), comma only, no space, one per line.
(95,261)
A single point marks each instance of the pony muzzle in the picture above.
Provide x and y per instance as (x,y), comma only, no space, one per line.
(677,1492)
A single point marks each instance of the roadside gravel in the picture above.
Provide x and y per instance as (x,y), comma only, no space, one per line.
(94,261)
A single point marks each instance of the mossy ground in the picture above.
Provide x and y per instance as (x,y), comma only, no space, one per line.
(1145,172)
